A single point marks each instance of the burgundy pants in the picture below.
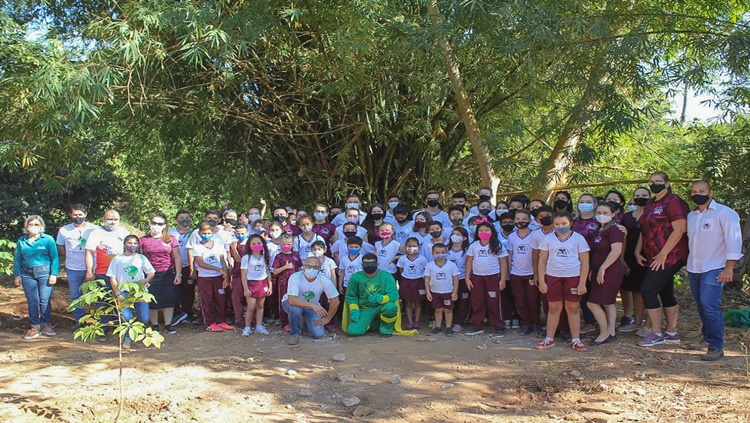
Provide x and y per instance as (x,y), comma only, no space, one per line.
(527,299)
(238,294)
(186,293)
(213,302)
(463,305)
(485,298)
(281,288)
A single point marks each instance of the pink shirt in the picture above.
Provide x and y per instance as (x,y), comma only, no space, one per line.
(158,252)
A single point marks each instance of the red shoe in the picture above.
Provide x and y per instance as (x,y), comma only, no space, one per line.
(225,326)
(213,327)
(578,346)
(545,343)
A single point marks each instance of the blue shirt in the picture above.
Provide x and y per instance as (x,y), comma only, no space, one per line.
(41,251)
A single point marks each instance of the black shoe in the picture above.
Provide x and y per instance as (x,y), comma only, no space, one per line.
(525,330)
(386,335)
(610,338)
(713,355)
(155,328)
(436,331)
(449,332)
(170,329)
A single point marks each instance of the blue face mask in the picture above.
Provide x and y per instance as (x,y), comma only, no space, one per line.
(562,230)
(206,238)
(585,208)
(311,273)
(241,238)
(441,256)
(354,251)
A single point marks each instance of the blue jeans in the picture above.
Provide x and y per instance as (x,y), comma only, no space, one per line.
(35,282)
(296,314)
(706,290)
(141,309)
(75,280)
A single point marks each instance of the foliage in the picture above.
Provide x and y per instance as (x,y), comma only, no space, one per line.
(6,256)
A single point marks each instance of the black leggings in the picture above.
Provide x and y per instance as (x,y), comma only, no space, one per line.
(660,284)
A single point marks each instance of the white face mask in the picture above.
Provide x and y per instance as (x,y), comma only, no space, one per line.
(275,234)
(34,230)
(393,204)
(457,239)
(111,224)
(603,218)
(253,217)
(306,228)
(156,229)
(316,253)
(352,206)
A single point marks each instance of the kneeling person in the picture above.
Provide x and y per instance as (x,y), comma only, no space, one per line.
(372,299)
(302,301)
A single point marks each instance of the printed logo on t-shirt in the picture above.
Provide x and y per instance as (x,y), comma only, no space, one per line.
(131,270)
(598,239)
(350,269)
(562,252)
(412,268)
(308,295)
(381,253)
(441,276)
(482,253)
(81,243)
(521,249)
(258,267)
(592,226)
(372,287)
(707,225)
(658,211)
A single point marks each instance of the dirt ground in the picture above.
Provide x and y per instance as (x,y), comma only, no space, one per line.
(199,376)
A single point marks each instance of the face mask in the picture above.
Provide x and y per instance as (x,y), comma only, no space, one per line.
(484,236)
(352,206)
(545,221)
(377,216)
(401,221)
(276,233)
(640,201)
(306,228)
(111,224)
(499,212)
(562,230)
(206,238)
(256,248)
(561,204)
(393,204)
(131,248)
(279,218)
(585,207)
(412,250)
(433,202)
(156,229)
(259,230)
(242,238)
(352,219)
(436,234)
(231,222)
(632,207)
(522,225)
(484,197)
(370,268)
(353,251)
(34,230)
(457,222)
(385,235)
(603,218)
(457,239)
(420,225)
(293,222)
(185,222)
(253,217)
(700,199)
(79,220)
(286,248)
(311,273)
(320,215)
(212,222)
(350,234)
(316,253)
(657,188)
(508,227)
(440,256)
(472,228)
(484,212)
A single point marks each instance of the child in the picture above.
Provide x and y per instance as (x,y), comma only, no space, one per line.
(486,270)
(459,243)
(350,263)
(321,226)
(505,226)
(304,241)
(525,292)
(402,227)
(256,283)
(238,251)
(130,267)
(436,233)
(387,249)
(441,284)
(286,263)
(411,287)
(563,270)
(213,279)
(339,247)
(421,226)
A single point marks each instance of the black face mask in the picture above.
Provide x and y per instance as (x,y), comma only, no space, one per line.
(350,234)
(436,234)
(370,268)
(377,216)
(657,188)
(534,212)
(79,220)
(484,212)
(561,204)
(640,201)
(212,222)
(433,203)
(700,199)
(231,222)
(546,221)
(484,198)
(508,228)
(280,218)
(522,225)
(457,222)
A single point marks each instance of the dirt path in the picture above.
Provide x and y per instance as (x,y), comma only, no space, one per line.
(199,376)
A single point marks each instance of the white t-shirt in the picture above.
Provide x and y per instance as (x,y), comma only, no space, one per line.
(212,257)
(183,240)
(309,291)
(273,251)
(106,245)
(459,259)
(361,232)
(536,238)
(426,248)
(257,269)
(386,254)
(402,232)
(349,266)
(441,217)
(303,246)
(129,268)
(327,265)
(520,254)
(74,240)
(412,269)
(340,247)
(485,261)
(421,238)
(221,237)
(563,261)
(441,277)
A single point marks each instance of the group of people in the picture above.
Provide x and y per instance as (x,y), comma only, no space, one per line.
(491,266)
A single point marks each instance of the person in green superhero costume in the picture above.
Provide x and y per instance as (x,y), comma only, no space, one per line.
(372,299)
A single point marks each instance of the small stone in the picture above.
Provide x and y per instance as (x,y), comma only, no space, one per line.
(362,411)
(482,347)
(339,357)
(305,393)
(448,385)
(576,374)
(431,340)
(343,378)
(640,391)
(350,401)
(291,372)
(396,379)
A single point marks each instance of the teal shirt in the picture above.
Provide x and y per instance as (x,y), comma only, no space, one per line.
(41,251)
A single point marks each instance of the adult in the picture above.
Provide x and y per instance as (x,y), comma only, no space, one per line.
(35,267)
(634,272)
(302,301)
(163,252)
(375,218)
(103,244)
(715,246)
(372,299)
(663,246)
(71,243)
(432,201)
(321,226)
(563,202)
(586,224)
(186,289)
(352,202)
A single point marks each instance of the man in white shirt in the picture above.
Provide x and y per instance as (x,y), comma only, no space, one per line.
(302,301)
(71,244)
(715,243)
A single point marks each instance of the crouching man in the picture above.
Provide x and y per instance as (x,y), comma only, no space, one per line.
(302,301)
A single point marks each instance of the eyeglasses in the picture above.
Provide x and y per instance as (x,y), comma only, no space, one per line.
(158,223)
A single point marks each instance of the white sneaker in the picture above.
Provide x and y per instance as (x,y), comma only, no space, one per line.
(247,331)
(475,332)
(262,330)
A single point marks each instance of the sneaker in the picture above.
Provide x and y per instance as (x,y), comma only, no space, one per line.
(247,331)
(449,332)
(514,324)
(126,344)
(293,340)
(545,343)
(268,320)
(176,320)
(587,327)
(475,332)
(499,333)
(48,331)
(651,339)
(579,346)
(197,321)
(31,334)
(330,327)
(631,327)
(170,329)
(262,330)
(155,328)
(435,331)
(671,339)
(410,326)
(697,346)
(288,329)
(540,330)
(417,326)
(713,355)
(508,323)
(457,328)
(213,327)
(626,321)
(525,330)
(226,326)
(643,331)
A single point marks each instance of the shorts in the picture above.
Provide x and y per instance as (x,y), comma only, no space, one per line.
(411,289)
(442,301)
(559,289)
(258,289)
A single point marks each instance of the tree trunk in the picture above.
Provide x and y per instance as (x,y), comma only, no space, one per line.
(481,152)
(555,170)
